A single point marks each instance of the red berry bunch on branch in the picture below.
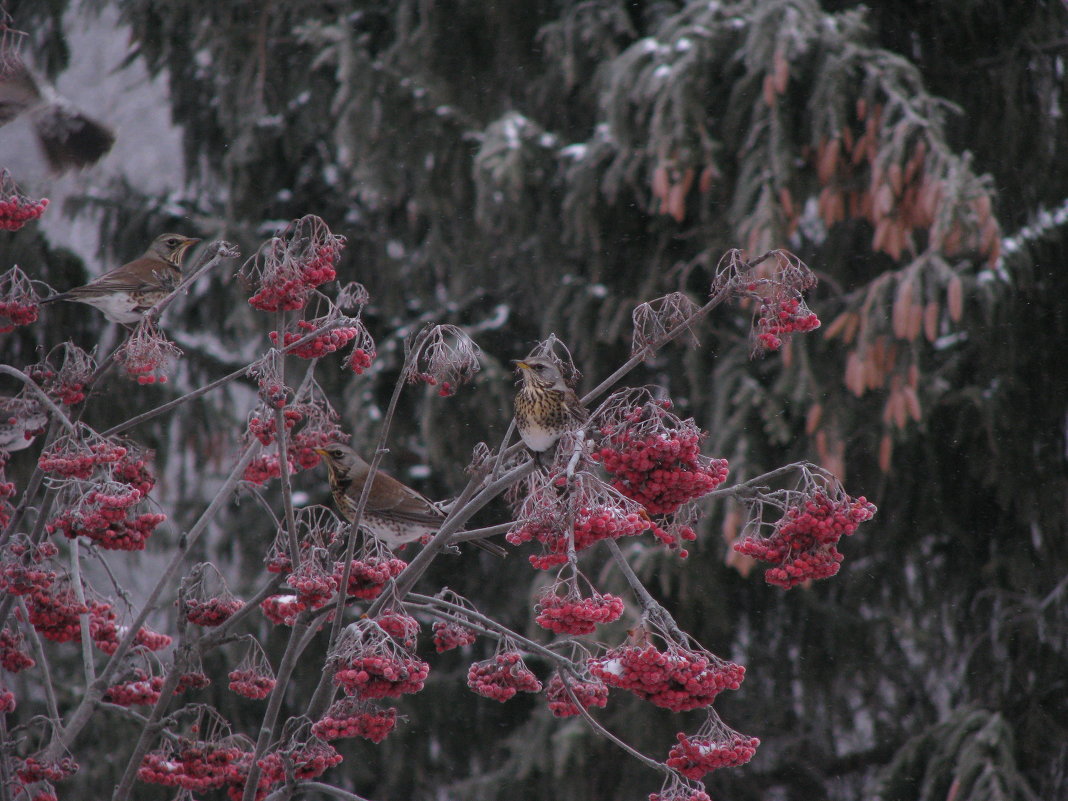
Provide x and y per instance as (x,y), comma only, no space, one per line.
(253,677)
(803,542)
(205,599)
(369,664)
(197,766)
(715,745)
(570,612)
(19,302)
(449,635)
(446,357)
(588,692)
(680,677)
(778,318)
(290,265)
(572,516)
(351,717)
(652,455)
(79,455)
(12,657)
(370,574)
(323,343)
(64,373)
(26,568)
(54,612)
(147,355)
(502,676)
(16,209)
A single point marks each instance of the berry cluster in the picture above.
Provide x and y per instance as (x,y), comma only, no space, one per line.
(71,459)
(350,717)
(282,609)
(360,359)
(65,384)
(105,633)
(368,576)
(211,611)
(327,342)
(677,679)
(263,468)
(293,264)
(570,614)
(12,657)
(195,680)
(7,700)
(680,792)
(592,524)
(251,683)
(25,569)
(32,770)
(16,210)
(54,613)
(588,693)
(662,470)
(101,526)
(693,757)
(263,427)
(197,767)
(381,675)
(14,313)
(404,629)
(313,585)
(139,690)
(803,542)
(147,354)
(449,635)
(308,760)
(781,317)
(502,677)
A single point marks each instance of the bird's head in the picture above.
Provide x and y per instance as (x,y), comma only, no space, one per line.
(341,459)
(171,247)
(539,372)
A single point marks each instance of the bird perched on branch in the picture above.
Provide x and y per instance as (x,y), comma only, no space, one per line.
(127,292)
(545,406)
(68,137)
(395,513)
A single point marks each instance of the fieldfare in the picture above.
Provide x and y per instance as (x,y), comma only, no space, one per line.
(68,137)
(545,406)
(395,513)
(127,292)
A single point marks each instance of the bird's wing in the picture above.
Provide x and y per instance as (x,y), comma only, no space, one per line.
(578,412)
(121,280)
(391,498)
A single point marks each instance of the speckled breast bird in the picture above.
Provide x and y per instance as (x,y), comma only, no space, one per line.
(545,406)
(21,420)
(395,513)
(68,137)
(127,292)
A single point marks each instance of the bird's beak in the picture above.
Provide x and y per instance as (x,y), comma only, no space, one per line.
(320,451)
(191,241)
(521,363)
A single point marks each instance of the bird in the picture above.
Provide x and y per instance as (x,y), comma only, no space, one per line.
(395,513)
(127,292)
(545,406)
(68,137)
(21,420)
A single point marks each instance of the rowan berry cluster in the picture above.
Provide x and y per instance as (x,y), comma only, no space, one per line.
(570,614)
(32,770)
(803,542)
(382,675)
(351,717)
(592,524)
(54,613)
(106,633)
(327,342)
(369,575)
(64,384)
(12,657)
(251,683)
(100,526)
(313,585)
(138,690)
(293,264)
(147,354)
(7,700)
(16,210)
(263,426)
(404,629)
(360,359)
(19,302)
(211,611)
(282,609)
(195,766)
(68,458)
(780,317)
(502,676)
(589,692)
(308,760)
(660,470)
(678,679)
(693,757)
(449,635)
(25,568)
